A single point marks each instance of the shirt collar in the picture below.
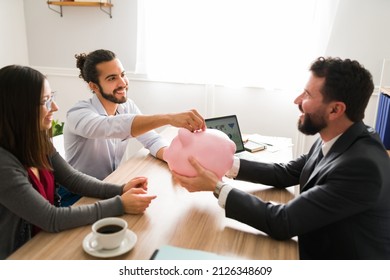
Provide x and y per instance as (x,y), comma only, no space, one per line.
(99,106)
(326,146)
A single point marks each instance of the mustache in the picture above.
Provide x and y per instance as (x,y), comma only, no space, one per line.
(300,108)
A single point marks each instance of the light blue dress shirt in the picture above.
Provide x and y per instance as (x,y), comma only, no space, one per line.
(95,142)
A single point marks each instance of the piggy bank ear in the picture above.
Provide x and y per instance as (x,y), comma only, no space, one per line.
(185,136)
(232,147)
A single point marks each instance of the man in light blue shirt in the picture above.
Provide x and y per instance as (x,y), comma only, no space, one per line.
(97,130)
(95,142)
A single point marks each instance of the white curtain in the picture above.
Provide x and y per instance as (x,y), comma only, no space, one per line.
(262,43)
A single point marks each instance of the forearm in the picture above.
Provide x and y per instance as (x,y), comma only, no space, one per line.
(160,153)
(142,123)
(271,174)
(250,210)
(80,183)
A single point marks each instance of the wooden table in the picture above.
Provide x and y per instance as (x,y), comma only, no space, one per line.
(177,218)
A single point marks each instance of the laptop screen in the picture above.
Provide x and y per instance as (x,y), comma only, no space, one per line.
(228,125)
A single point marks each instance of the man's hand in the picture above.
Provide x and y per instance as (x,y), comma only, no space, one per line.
(191,120)
(205,180)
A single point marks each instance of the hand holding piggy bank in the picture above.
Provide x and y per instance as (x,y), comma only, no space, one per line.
(211,148)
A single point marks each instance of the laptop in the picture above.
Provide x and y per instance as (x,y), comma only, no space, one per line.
(229,125)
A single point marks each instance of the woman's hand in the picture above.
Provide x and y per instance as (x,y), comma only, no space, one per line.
(136,200)
(137,182)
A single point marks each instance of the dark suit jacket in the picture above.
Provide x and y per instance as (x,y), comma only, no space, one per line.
(343,211)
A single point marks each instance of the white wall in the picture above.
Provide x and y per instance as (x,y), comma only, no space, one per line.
(360,32)
(13,41)
(54,40)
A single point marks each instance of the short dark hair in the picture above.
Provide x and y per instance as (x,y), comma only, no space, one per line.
(20,121)
(87,64)
(346,81)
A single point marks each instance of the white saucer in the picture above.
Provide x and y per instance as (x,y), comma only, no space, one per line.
(127,244)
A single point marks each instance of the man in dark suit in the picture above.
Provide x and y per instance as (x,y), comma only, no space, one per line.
(343,210)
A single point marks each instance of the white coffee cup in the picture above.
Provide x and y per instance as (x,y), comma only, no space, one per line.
(108,233)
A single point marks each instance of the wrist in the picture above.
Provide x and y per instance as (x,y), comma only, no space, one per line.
(218,188)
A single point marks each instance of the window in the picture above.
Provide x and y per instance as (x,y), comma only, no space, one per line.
(260,43)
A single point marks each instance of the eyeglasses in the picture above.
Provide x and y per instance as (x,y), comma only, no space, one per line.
(49,101)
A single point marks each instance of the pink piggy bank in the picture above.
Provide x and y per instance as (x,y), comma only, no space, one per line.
(211,148)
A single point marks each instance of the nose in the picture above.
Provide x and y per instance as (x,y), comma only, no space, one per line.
(54,106)
(124,81)
(298,99)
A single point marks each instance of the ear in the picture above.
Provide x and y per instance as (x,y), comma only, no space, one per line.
(336,109)
(93,87)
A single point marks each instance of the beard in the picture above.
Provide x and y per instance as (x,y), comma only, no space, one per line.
(311,124)
(112,97)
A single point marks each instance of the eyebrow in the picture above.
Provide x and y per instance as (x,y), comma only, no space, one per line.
(114,75)
(49,95)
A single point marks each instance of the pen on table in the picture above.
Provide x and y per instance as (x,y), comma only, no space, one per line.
(267,144)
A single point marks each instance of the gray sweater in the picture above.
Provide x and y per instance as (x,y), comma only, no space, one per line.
(22,206)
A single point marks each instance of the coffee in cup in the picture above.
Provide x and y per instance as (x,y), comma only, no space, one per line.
(108,233)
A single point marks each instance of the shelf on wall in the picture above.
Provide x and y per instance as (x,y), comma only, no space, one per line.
(101,5)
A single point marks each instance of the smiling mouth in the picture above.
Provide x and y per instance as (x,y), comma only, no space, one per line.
(120,91)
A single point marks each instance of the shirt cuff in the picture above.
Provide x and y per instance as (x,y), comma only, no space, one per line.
(223,195)
(233,172)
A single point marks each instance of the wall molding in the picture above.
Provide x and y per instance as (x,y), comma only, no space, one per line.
(55,71)
(74,72)
(301,141)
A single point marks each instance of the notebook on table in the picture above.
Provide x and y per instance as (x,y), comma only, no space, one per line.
(168,252)
(229,125)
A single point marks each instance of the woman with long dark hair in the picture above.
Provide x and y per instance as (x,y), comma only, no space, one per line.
(30,168)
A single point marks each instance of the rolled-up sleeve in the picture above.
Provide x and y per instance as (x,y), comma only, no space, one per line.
(152,141)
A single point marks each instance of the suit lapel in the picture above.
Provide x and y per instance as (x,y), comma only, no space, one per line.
(309,166)
(310,171)
(316,169)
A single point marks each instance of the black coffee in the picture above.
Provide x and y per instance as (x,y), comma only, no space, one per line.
(109,229)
